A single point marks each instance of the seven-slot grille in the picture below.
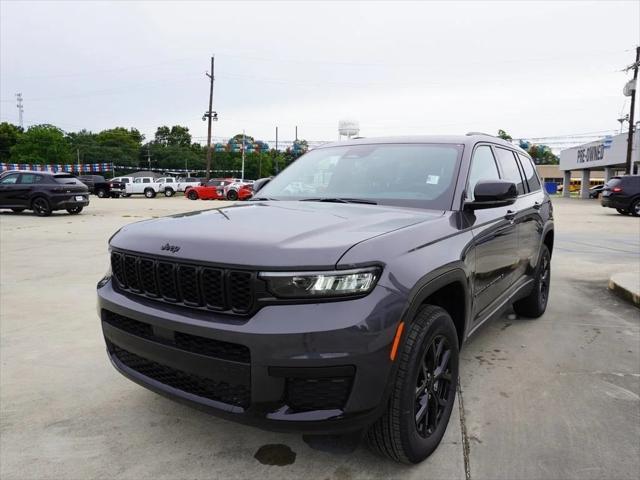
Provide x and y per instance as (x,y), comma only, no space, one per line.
(194,286)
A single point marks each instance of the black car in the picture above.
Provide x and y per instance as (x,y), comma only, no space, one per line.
(101,187)
(623,194)
(338,298)
(596,191)
(42,192)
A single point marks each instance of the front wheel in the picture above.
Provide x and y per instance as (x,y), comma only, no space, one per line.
(168,192)
(232,195)
(74,210)
(423,392)
(41,207)
(535,304)
(192,195)
(149,193)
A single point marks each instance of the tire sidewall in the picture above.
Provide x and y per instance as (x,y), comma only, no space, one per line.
(417,447)
(101,193)
(149,193)
(168,192)
(41,214)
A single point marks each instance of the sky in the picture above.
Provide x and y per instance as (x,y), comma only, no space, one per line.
(534,69)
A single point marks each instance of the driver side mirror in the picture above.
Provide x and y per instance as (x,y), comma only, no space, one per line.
(492,194)
(261,182)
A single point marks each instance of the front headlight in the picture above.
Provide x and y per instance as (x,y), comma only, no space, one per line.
(335,283)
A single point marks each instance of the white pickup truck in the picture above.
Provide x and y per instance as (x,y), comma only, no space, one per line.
(173,185)
(147,186)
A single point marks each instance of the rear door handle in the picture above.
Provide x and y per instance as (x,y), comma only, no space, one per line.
(511,215)
(537,206)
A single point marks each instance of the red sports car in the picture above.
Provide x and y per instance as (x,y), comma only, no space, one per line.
(212,190)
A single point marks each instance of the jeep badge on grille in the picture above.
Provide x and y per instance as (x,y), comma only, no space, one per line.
(171,248)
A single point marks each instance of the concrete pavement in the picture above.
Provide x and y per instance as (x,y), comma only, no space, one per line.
(556,397)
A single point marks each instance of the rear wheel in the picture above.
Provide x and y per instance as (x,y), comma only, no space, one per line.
(41,207)
(622,211)
(424,390)
(635,208)
(168,192)
(192,195)
(74,210)
(17,210)
(535,303)
(101,193)
(149,193)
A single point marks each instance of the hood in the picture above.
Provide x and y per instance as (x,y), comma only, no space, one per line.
(279,234)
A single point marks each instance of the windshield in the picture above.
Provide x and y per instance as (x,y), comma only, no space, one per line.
(420,175)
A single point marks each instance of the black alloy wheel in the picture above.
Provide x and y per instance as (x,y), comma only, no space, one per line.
(192,195)
(433,386)
(41,207)
(635,208)
(232,195)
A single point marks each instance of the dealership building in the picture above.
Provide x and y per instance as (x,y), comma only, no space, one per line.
(608,154)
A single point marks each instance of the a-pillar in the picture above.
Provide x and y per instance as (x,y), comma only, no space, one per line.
(608,173)
(584,187)
(566,186)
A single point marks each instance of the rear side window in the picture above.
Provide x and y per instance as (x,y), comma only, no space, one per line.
(530,174)
(67,179)
(146,180)
(510,169)
(30,178)
(483,167)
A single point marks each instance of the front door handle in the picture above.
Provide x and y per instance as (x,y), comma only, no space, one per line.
(511,215)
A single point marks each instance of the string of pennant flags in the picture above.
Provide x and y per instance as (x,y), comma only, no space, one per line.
(95,168)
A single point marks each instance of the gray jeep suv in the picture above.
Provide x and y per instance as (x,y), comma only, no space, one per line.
(338,298)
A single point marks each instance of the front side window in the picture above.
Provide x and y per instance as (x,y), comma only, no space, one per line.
(146,180)
(530,173)
(137,180)
(510,169)
(420,175)
(483,167)
(10,179)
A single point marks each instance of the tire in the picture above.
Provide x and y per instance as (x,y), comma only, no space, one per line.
(149,193)
(169,192)
(41,207)
(192,195)
(232,195)
(74,210)
(101,193)
(18,210)
(535,304)
(622,211)
(397,434)
(635,208)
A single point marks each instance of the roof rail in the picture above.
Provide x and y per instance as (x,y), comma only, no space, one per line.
(469,134)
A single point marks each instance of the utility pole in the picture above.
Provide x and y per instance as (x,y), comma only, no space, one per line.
(296,133)
(277,169)
(148,157)
(78,157)
(633,105)
(211,116)
(243,155)
(20,109)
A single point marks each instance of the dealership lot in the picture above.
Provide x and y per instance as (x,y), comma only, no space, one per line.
(556,397)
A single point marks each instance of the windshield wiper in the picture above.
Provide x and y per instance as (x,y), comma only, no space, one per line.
(339,200)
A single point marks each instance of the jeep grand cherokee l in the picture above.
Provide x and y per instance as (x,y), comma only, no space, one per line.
(342,308)
(623,194)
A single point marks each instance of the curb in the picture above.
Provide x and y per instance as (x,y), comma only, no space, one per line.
(627,286)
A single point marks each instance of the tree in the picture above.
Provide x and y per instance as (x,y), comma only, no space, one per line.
(120,146)
(9,135)
(41,144)
(504,135)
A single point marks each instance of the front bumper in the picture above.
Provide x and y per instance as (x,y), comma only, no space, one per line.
(315,368)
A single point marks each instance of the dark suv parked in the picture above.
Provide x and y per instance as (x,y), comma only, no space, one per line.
(623,194)
(338,298)
(42,192)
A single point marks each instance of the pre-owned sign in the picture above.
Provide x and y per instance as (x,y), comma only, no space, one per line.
(606,152)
